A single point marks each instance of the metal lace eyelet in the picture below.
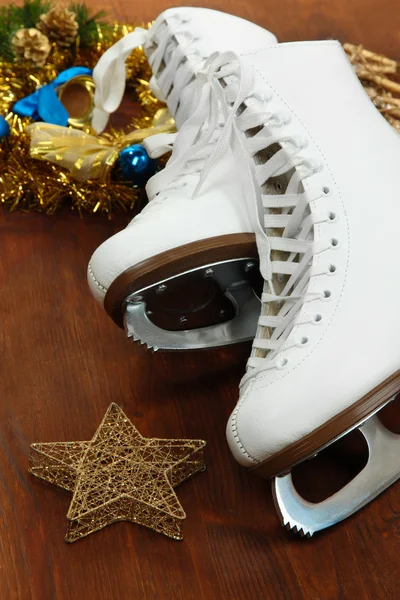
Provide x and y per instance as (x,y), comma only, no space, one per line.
(282,363)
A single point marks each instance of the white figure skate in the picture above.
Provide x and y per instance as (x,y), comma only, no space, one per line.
(182,274)
(326,354)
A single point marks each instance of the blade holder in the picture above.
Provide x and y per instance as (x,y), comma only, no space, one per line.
(235,279)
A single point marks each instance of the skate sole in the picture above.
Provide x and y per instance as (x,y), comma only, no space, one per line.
(349,419)
(173,262)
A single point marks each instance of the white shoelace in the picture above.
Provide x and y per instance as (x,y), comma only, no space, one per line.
(227,91)
(167,55)
(291,213)
(204,139)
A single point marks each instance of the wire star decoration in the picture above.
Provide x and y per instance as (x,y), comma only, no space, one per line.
(120,475)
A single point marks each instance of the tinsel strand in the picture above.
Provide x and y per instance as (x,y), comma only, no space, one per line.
(28,184)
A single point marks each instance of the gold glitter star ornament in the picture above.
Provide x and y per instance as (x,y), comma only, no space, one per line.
(120,475)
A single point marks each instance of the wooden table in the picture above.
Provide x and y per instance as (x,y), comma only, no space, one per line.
(62,363)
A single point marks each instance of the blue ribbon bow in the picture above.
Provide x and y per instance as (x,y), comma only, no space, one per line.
(44,104)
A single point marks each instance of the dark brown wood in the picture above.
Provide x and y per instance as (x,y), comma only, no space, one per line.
(63,361)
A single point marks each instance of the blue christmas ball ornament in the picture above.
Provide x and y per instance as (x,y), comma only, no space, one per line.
(4,128)
(135,164)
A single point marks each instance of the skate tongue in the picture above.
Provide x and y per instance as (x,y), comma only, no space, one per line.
(217,68)
(229,86)
(190,143)
(224,87)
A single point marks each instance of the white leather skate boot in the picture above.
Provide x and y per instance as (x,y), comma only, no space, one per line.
(326,354)
(181,275)
(177,46)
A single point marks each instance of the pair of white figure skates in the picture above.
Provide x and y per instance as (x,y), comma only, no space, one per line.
(281,166)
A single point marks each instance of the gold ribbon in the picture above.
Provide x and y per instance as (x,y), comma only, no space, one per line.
(88,156)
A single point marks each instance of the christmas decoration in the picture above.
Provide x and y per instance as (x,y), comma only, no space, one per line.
(45,104)
(4,128)
(120,476)
(31,45)
(60,25)
(91,28)
(77,96)
(87,156)
(135,164)
(28,184)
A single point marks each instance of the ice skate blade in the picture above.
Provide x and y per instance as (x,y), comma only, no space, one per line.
(381,471)
(233,278)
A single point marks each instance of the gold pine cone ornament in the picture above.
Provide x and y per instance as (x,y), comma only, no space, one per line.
(31,45)
(60,26)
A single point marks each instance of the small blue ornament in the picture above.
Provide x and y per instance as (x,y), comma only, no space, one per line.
(4,128)
(136,165)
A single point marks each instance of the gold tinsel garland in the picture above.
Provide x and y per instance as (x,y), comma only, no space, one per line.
(29,184)
(18,79)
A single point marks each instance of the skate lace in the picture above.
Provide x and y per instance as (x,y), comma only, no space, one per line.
(289,219)
(168,59)
(204,139)
(287,252)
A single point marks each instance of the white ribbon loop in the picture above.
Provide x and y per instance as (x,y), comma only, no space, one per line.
(109,76)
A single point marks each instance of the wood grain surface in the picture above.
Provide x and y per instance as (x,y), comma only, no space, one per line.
(63,361)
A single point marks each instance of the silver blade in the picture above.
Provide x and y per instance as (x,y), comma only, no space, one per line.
(233,280)
(381,470)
